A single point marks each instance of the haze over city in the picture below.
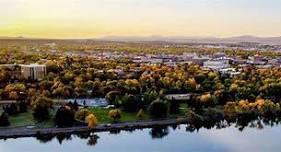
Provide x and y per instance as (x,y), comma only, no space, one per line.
(98,18)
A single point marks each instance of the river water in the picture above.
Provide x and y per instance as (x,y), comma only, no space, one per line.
(166,139)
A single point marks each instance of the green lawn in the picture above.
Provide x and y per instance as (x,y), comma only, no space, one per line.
(26,119)
(102,115)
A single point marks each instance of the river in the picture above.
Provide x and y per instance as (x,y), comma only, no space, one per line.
(166,139)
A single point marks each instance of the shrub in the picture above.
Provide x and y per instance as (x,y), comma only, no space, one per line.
(115,114)
(4,121)
(64,117)
(158,109)
(82,114)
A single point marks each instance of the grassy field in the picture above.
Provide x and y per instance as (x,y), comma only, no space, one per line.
(26,119)
(102,115)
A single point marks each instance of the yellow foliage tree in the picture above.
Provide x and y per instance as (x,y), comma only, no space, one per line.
(205,98)
(82,114)
(92,121)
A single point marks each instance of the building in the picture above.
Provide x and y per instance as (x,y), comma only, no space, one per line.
(179,97)
(200,60)
(216,64)
(33,71)
(231,71)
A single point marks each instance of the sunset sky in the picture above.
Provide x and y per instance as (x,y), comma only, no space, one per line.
(97,18)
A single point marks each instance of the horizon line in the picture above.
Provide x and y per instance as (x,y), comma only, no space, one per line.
(137,36)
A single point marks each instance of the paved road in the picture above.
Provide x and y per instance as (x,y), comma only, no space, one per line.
(26,132)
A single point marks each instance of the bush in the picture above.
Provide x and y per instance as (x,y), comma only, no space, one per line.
(158,109)
(92,121)
(64,117)
(4,121)
(115,114)
(82,114)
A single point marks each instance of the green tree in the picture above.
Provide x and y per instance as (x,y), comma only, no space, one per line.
(41,108)
(158,108)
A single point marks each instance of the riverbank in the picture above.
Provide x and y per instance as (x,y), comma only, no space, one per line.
(18,132)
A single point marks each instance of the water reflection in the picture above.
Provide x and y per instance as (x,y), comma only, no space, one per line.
(218,136)
(160,132)
(63,137)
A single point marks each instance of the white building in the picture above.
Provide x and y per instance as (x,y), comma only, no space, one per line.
(231,71)
(216,64)
(33,71)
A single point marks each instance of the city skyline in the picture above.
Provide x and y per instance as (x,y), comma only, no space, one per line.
(98,18)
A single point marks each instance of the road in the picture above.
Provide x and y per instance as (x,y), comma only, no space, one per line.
(30,132)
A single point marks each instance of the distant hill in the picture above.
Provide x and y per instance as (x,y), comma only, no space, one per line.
(177,39)
(7,37)
(183,39)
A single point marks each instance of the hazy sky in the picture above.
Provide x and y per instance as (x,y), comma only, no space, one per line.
(95,18)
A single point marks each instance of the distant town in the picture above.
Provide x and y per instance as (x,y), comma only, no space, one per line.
(47,85)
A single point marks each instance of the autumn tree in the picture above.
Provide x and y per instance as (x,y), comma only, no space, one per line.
(114,114)
(92,121)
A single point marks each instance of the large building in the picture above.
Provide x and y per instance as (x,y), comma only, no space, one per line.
(33,71)
(216,64)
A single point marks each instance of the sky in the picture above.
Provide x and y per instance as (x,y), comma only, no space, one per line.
(98,18)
